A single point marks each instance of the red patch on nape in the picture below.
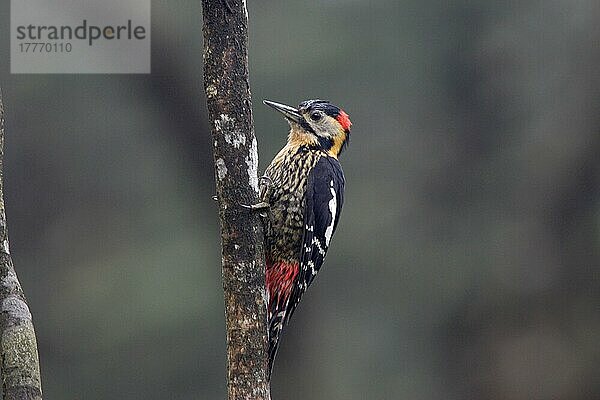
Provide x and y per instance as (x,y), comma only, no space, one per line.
(344,120)
(280,281)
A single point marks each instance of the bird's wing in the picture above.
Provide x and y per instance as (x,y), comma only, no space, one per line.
(322,207)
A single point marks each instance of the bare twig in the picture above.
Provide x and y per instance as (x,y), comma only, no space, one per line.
(20,367)
(236,171)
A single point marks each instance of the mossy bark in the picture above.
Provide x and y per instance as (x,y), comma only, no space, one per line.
(19,368)
(236,173)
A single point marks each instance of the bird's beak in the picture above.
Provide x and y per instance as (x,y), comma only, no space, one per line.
(290,113)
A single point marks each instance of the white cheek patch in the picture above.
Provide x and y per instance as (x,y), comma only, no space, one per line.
(332,211)
(325,128)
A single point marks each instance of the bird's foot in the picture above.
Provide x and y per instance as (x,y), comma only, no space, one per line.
(268,180)
(262,206)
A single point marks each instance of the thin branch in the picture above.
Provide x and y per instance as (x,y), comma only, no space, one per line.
(236,171)
(20,367)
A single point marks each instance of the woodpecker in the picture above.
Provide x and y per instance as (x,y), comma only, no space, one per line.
(303,191)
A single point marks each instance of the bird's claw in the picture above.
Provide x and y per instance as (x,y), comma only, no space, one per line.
(267,178)
(256,207)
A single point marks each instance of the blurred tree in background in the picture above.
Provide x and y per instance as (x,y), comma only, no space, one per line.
(466,264)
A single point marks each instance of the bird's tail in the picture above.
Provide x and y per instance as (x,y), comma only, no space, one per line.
(276,322)
(280,284)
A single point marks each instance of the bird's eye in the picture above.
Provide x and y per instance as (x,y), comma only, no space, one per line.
(315,116)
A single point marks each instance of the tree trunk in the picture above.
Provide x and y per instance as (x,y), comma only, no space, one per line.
(236,174)
(20,367)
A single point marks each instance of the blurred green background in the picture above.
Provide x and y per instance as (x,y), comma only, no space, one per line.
(466,264)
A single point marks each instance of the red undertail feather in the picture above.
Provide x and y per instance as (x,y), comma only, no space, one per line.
(280,281)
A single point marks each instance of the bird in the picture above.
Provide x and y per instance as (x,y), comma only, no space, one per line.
(301,198)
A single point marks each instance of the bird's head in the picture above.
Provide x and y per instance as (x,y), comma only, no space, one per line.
(317,124)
